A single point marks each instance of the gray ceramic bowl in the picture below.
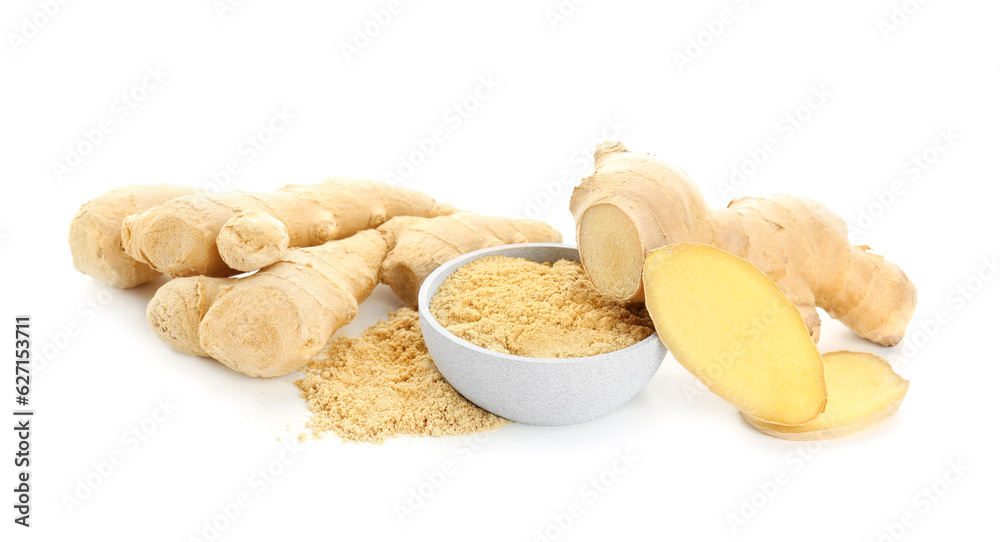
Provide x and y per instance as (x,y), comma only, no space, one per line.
(537,391)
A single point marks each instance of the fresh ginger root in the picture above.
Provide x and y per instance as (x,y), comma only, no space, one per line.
(635,203)
(95,233)
(182,236)
(274,321)
(861,388)
(731,326)
(178,307)
(418,246)
(252,240)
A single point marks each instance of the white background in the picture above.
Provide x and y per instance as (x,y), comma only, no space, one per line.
(518,149)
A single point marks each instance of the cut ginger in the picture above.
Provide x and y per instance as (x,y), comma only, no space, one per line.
(729,324)
(635,203)
(861,390)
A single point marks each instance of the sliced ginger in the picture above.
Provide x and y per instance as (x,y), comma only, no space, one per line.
(861,390)
(730,325)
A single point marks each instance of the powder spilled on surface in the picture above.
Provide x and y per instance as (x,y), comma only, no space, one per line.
(542,310)
(383,384)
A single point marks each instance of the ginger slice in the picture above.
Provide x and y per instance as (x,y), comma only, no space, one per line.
(729,324)
(862,389)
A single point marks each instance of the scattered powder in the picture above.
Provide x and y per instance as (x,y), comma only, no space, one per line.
(542,310)
(383,384)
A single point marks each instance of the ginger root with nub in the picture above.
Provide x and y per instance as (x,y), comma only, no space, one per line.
(418,246)
(223,234)
(635,203)
(274,321)
(95,233)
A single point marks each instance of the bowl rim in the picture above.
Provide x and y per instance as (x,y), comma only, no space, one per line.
(424,310)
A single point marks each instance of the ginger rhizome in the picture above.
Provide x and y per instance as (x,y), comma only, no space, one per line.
(274,321)
(182,236)
(733,329)
(635,203)
(95,233)
(861,388)
(252,240)
(420,245)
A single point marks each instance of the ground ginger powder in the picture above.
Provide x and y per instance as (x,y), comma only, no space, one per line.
(541,310)
(384,383)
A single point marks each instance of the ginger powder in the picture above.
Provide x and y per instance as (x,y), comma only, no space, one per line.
(541,310)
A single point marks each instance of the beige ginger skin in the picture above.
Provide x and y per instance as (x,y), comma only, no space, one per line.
(635,203)
(200,233)
(421,245)
(95,233)
(272,322)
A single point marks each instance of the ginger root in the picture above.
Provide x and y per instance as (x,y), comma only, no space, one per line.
(95,233)
(418,246)
(182,236)
(252,240)
(861,388)
(274,321)
(635,203)
(728,324)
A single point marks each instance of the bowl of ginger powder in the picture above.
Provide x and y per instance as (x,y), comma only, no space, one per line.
(520,331)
